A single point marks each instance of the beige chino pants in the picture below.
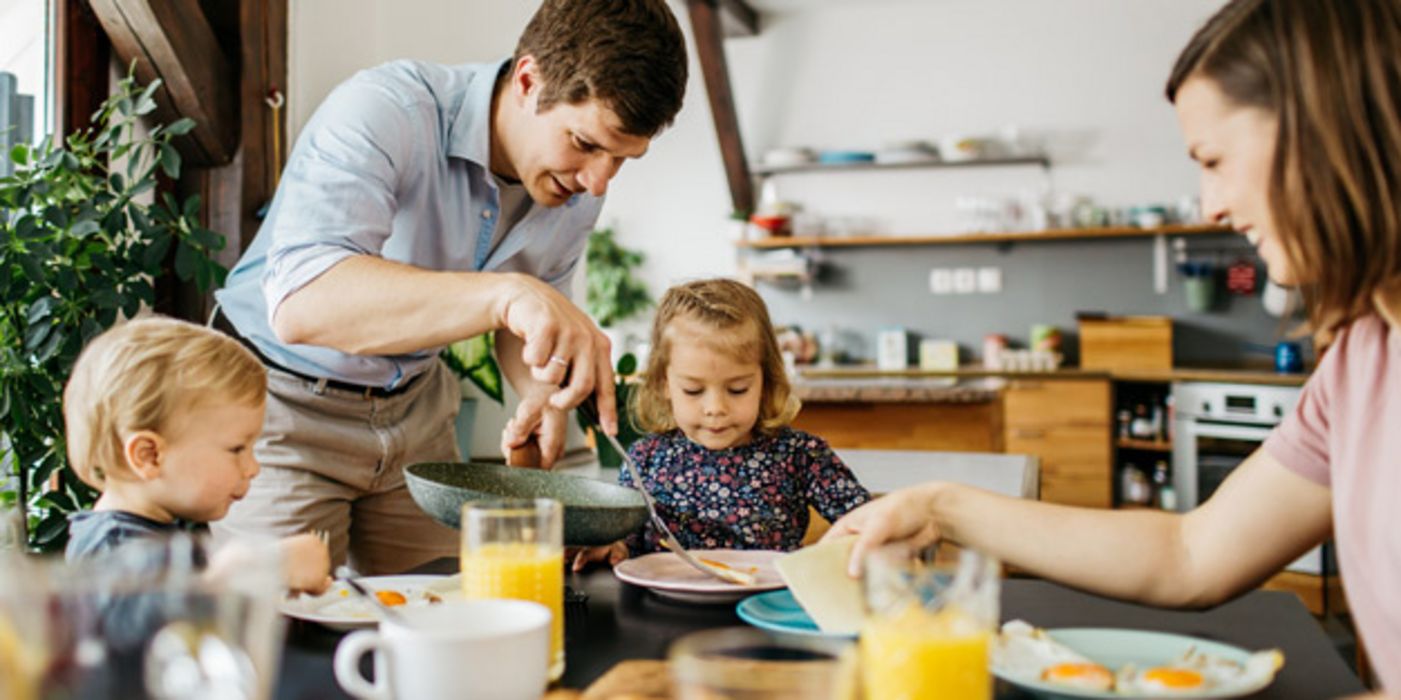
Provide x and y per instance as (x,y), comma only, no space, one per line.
(333,460)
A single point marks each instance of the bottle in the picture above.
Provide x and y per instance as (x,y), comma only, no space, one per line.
(1160,485)
(1125,417)
(1142,426)
(1157,421)
(1170,404)
(1133,486)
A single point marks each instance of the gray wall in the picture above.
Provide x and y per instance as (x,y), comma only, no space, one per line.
(865,289)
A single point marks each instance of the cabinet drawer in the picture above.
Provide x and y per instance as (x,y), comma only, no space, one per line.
(1056,402)
(1075,461)
(1092,493)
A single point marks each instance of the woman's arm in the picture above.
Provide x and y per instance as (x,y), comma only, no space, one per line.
(1262,517)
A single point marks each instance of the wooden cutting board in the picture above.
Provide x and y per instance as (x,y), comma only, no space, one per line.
(633,680)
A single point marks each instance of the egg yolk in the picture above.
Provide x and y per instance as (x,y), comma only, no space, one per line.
(391,598)
(1080,675)
(1173,678)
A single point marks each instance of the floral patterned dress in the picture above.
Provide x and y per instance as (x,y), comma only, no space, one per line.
(753,496)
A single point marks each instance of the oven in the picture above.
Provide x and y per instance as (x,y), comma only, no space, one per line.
(1215,427)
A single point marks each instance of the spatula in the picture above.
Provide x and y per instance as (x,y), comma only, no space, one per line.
(589,409)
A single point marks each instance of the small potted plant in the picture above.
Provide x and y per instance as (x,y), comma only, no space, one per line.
(614,295)
(473,360)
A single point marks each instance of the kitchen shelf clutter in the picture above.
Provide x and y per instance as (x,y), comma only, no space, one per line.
(965,238)
(765,170)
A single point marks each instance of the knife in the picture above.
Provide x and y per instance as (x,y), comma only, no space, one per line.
(589,409)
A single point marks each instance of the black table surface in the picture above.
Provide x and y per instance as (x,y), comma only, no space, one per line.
(625,622)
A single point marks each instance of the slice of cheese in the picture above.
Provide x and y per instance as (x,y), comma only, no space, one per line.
(817,577)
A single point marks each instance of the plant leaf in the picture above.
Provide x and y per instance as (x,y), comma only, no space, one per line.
(180,127)
(184,261)
(170,163)
(19,155)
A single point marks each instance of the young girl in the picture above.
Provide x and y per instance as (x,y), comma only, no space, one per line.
(722,463)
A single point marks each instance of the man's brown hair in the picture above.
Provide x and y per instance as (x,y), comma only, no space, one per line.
(1331,72)
(629,54)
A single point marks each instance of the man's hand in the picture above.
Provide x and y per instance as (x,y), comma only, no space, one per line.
(562,348)
(536,419)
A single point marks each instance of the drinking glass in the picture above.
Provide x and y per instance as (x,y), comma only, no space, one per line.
(515,549)
(744,663)
(928,625)
(147,620)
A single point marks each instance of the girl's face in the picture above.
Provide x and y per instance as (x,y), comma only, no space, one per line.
(1235,147)
(714,396)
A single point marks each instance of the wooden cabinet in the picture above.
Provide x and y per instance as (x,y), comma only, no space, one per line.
(953,427)
(1065,423)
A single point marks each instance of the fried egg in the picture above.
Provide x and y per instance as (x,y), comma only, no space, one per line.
(1024,653)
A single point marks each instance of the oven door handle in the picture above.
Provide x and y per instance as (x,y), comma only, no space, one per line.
(1231,432)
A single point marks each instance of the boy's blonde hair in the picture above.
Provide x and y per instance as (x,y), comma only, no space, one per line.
(138,376)
(743,331)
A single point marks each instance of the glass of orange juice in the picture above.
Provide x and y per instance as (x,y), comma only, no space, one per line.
(515,549)
(928,625)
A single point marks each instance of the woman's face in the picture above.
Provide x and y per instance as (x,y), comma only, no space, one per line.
(1235,147)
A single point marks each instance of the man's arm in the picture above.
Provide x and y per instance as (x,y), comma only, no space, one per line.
(366,305)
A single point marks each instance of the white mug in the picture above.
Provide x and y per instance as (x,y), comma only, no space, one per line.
(470,649)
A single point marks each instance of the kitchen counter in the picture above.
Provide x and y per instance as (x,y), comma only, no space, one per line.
(857,374)
(898,389)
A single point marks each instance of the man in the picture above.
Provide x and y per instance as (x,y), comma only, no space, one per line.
(424,204)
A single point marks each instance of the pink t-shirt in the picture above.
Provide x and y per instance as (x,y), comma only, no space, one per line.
(1346,434)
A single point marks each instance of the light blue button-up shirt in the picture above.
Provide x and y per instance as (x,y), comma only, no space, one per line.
(395,164)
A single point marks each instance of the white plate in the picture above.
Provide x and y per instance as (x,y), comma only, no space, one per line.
(669,577)
(341,609)
(1116,648)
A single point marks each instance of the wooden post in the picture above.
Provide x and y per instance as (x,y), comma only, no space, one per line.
(706,24)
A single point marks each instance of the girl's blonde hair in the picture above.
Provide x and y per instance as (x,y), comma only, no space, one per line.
(1331,73)
(742,330)
(141,374)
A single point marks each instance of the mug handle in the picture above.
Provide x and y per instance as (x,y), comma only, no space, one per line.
(347,665)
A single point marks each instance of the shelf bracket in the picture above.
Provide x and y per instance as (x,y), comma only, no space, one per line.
(707,26)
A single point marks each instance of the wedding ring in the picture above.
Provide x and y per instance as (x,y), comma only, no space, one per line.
(559,360)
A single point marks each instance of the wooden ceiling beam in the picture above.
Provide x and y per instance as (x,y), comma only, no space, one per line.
(710,46)
(738,18)
(172,40)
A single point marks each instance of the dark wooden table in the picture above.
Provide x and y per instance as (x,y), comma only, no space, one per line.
(625,622)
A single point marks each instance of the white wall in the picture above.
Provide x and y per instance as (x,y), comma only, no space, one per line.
(1085,76)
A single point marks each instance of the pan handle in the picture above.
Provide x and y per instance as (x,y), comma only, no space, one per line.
(527,455)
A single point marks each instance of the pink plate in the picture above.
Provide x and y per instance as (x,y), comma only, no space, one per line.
(669,577)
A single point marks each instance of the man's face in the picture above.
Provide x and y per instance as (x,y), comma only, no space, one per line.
(564,150)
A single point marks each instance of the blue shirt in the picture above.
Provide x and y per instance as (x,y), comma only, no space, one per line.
(394,164)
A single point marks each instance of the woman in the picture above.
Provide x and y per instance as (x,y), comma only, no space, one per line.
(1292,109)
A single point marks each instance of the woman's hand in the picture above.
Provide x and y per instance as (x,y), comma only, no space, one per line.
(906,515)
(611,553)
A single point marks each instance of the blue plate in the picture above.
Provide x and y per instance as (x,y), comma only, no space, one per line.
(778,611)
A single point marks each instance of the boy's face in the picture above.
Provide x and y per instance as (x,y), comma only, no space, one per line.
(565,150)
(207,462)
(714,396)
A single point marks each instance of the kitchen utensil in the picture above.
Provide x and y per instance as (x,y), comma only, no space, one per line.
(589,410)
(595,512)
(385,612)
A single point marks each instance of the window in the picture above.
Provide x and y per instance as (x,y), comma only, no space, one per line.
(25,73)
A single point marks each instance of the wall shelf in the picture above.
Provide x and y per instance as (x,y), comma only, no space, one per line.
(965,238)
(1144,445)
(765,170)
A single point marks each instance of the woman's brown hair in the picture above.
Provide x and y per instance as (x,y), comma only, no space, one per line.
(630,54)
(1331,73)
(742,330)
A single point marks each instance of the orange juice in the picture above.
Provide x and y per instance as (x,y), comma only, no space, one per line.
(918,654)
(521,571)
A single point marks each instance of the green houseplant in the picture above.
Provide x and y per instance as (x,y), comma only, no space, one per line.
(79,247)
(473,360)
(615,294)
